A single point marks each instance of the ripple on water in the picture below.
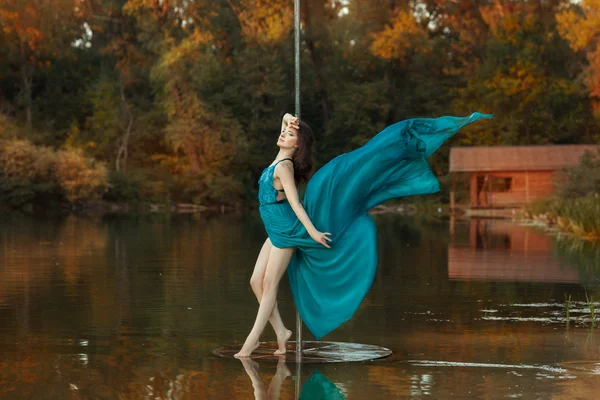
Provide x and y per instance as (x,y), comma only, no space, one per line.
(428,363)
(585,366)
(544,312)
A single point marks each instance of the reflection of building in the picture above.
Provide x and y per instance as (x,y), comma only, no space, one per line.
(498,250)
(503,176)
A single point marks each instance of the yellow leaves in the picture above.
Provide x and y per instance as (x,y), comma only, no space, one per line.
(21,162)
(519,80)
(192,44)
(79,178)
(510,21)
(158,8)
(396,40)
(522,82)
(264,22)
(580,30)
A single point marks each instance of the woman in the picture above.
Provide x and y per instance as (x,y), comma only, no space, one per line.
(278,197)
(331,271)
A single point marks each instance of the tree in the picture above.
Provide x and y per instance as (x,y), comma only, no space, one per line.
(524,79)
(34,38)
(586,38)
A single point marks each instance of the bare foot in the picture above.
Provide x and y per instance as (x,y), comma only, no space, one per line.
(249,364)
(282,342)
(249,346)
(282,368)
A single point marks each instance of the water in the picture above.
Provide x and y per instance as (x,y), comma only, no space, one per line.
(131,307)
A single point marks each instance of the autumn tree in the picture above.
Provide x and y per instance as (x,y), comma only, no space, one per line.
(35,32)
(586,38)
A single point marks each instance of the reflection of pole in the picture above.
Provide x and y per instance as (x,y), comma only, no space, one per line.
(297,74)
(298,376)
(453,194)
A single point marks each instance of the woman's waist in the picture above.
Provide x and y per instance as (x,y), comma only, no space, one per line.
(275,203)
(278,209)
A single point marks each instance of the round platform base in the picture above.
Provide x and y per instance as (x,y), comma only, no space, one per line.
(313,352)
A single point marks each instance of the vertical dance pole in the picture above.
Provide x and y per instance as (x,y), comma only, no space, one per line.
(297,74)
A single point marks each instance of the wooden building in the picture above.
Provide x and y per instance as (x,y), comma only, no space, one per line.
(510,176)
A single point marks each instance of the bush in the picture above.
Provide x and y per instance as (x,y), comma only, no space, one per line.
(26,173)
(582,180)
(35,174)
(80,178)
(580,216)
(128,186)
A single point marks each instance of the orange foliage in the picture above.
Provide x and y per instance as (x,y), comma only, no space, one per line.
(400,38)
(582,31)
(32,25)
(80,178)
(264,21)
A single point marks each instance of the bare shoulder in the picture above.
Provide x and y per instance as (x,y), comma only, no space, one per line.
(284,169)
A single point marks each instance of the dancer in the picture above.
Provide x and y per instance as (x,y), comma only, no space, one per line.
(328,243)
(282,207)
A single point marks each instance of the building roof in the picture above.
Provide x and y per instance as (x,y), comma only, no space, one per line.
(517,158)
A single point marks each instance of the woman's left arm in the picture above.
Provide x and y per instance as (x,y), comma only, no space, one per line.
(285,172)
(285,121)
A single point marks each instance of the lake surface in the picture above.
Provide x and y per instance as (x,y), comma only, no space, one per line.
(131,307)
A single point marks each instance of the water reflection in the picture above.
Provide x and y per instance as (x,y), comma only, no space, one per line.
(498,250)
(316,387)
(319,387)
(131,307)
(273,391)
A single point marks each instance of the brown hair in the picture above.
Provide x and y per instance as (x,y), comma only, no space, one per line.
(303,161)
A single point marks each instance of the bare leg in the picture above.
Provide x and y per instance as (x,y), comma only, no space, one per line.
(274,391)
(251,367)
(256,282)
(276,266)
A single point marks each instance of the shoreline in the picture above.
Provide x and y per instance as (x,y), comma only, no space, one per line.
(541,216)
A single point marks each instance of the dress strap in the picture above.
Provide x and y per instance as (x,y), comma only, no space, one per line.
(283,159)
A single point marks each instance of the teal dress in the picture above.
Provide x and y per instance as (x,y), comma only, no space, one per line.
(328,285)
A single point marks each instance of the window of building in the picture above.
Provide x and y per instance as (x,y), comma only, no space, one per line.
(500,184)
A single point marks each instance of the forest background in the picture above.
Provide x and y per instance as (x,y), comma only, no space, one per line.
(163,101)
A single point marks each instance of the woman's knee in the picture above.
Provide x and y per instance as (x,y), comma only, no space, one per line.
(256,283)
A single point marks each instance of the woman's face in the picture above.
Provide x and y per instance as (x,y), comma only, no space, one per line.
(288,138)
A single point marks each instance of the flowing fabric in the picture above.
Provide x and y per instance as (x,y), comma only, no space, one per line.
(328,285)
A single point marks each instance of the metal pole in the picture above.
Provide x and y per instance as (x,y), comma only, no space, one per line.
(297,74)
(297,53)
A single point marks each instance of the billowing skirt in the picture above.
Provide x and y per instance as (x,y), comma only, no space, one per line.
(328,285)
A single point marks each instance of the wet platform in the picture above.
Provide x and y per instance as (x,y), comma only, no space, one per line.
(314,352)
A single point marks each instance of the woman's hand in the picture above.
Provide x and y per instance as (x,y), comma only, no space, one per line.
(290,120)
(294,122)
(321,237)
